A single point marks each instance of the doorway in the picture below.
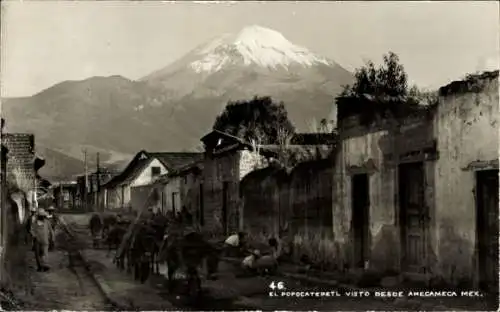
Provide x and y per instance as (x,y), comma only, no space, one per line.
(360,218)
(413,217)
(487,228)
(225,186)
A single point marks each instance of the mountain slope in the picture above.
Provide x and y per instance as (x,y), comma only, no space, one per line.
(170,109)
(99,111)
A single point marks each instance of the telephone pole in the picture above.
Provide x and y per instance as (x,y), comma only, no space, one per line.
(85,192)
(98,184)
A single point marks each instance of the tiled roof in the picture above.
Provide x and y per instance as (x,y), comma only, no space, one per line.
(175,161)
(133,169)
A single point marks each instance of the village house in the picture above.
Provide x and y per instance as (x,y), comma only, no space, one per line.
(177,189)
(416,190)
(184,191)
(65,195)
(124,191)
(242,185)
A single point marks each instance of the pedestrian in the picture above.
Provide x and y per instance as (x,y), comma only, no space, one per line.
(29,222)
(52,220)
(42,234)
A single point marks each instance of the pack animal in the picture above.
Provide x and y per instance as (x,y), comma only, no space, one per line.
(95,226)
(159,225)
(108,222)
(141,252)
(115,237)
(188,252)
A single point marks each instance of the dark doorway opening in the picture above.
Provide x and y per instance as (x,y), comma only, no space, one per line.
(201,210)
(225,186)
(487,228)
(413,217)
(360,218)
(174,208)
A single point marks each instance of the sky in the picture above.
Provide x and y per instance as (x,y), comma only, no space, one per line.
(47,42)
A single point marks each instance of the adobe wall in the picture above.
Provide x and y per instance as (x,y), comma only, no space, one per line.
(466,126)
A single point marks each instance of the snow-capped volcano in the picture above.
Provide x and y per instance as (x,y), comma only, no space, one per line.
(253,45)
(238,66)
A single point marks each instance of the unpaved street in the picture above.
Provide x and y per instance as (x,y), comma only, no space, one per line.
(230,291)
(84,278)
(66,286)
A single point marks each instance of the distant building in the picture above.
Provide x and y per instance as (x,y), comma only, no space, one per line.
(88,188)
(65,195)
(123,191)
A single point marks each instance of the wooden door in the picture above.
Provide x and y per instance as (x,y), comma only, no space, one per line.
(360,194)
(487,228)
(413,217)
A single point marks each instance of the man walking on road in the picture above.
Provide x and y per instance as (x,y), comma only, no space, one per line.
(31,219)
(42,232)
(52,220)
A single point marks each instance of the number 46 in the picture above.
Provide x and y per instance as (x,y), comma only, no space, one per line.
(276,285)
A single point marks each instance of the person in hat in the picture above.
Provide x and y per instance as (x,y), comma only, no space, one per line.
(42,232)
(52,220)
(29,222)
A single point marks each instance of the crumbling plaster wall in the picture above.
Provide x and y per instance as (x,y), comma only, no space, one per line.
(466,126)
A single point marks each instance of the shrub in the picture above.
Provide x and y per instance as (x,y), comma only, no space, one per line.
(317,246)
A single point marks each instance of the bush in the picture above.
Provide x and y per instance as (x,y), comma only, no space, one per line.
(318,247)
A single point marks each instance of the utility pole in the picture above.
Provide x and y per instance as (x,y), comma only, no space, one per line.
(61,197)
(98,184)
(85,192)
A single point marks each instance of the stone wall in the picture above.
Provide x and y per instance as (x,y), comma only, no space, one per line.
(20,167)
(300,201)
(190,194)
(310,197)
(262,208)
(220,169)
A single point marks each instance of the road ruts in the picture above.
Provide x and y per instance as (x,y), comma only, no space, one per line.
(68,285)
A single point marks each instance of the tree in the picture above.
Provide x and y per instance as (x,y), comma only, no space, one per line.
(389,79)
(260,119)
